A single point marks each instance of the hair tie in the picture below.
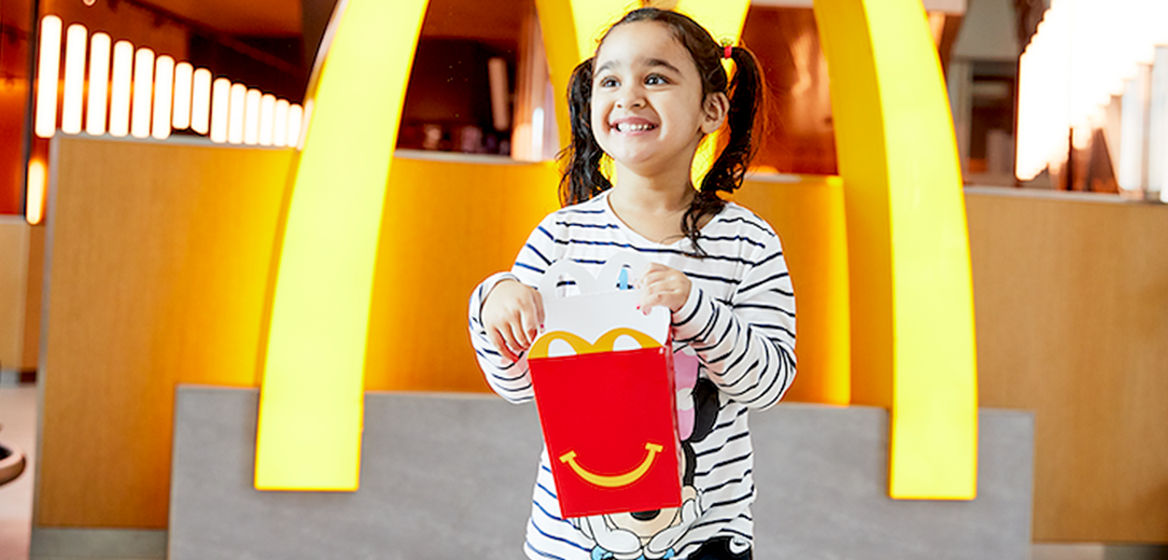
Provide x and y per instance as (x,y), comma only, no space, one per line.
(727,50)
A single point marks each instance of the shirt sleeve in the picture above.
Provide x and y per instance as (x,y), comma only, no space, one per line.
(512,380)
(748,345)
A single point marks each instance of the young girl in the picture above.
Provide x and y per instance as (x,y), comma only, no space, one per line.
(654,89)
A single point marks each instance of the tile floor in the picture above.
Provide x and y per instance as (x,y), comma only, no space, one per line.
(18,428)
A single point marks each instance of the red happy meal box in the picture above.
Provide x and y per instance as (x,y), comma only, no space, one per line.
(603,378)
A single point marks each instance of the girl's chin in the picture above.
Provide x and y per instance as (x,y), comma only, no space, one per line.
(643,168)
(645,165)
(634,156)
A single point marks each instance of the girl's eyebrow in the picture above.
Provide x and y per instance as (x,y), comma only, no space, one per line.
(651,63)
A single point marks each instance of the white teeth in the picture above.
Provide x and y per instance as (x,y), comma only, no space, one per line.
(627,127)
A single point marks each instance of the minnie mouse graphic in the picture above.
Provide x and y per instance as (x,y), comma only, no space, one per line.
(652,535)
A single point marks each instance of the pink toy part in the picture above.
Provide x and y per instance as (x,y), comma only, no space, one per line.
(685,377)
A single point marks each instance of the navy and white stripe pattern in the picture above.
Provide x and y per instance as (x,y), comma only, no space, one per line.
(739,318)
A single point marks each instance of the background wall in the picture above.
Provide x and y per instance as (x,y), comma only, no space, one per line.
(157,272)
(160,255)
(1070,296)
(21,265)
(175,253)
(988,32)
(13,272)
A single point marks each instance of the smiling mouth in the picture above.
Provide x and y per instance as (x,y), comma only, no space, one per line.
(630,127)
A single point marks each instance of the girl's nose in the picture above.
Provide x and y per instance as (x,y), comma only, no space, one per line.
(629,103)
(630,98)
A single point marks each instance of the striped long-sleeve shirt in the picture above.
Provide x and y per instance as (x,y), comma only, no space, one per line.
(739,319)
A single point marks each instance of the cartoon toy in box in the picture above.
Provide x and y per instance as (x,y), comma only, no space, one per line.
(602,372)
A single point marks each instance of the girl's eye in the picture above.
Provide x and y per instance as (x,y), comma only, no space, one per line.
(656,80)
(607,82)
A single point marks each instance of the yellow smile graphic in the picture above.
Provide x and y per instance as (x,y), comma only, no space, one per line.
(614,481)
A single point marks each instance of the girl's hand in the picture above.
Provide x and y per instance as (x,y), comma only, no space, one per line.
(664,286)
(512,315)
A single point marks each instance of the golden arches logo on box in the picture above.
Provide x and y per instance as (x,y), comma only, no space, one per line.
(606,342)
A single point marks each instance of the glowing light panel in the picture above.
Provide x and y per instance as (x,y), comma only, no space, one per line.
(143,88)
(75,38)
(267,118)
(220,108)
(323,289)
(163,87)
(35,194)
(280,124)
(908,248)
(119,123)
(99,62)
(251,116)
(201,101)
(295,125)
(48,68)
(1082,54)
(236,106)
(182,95)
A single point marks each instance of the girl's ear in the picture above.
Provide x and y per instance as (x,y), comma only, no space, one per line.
(714,111)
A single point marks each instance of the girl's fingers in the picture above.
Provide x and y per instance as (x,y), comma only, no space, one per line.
(650,300)
(511,340)
(669,298)
(518,335)
(655,283)
(658,300)
(537,310)
(530,324)
(661,286)
(665,276)
(644,279)
(496,339)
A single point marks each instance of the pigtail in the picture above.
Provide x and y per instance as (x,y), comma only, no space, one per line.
(582,178)
(729,169)
(745,90)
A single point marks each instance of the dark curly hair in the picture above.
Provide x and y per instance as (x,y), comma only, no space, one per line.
(582,178)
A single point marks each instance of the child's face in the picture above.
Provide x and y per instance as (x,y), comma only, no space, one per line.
(647,103)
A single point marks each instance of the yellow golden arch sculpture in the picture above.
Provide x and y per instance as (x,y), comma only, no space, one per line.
(911,288)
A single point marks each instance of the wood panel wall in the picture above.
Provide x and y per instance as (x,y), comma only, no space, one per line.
(21,265)
(158,269)
(1071,297)
(14,235)
(33,301)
